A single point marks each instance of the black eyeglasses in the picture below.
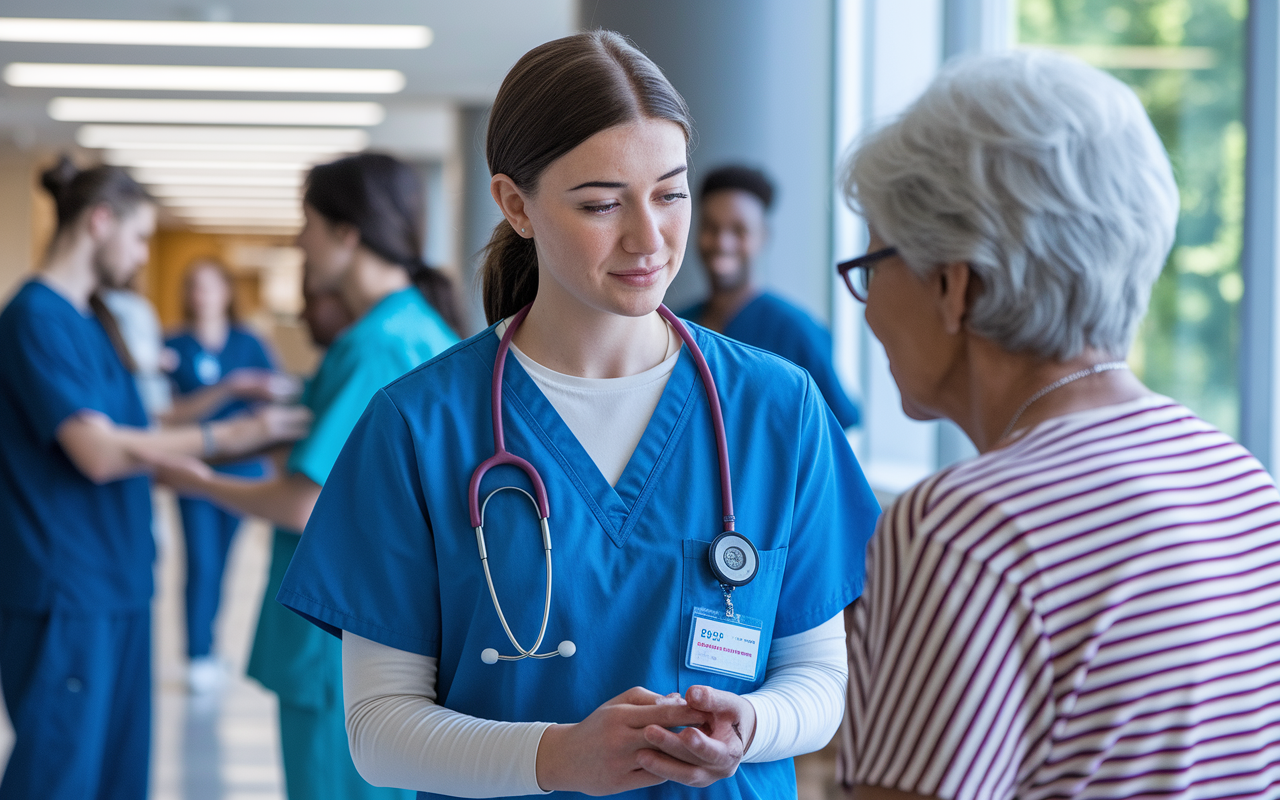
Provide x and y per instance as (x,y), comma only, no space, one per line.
(857,271)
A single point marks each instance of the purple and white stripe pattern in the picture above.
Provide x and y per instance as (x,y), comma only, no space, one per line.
(1092,611)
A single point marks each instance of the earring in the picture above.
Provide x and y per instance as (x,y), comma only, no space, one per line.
(522,230)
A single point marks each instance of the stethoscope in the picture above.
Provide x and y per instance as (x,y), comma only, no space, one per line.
(734,560)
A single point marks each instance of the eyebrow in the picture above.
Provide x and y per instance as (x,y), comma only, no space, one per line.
(617,185)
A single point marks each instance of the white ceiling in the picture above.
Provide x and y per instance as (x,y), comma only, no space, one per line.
(476,42)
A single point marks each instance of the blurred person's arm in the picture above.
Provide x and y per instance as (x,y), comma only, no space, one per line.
(104,451)
(248,383)
(286,500)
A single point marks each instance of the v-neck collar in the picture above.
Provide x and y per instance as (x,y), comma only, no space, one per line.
(617,508)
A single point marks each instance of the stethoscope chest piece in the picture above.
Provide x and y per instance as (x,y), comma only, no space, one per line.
(734,560)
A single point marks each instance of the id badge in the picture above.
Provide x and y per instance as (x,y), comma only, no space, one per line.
(724,645)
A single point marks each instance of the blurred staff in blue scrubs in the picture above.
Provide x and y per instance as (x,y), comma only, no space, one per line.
(732,231)
(76,547)
(220,367)
(363,239)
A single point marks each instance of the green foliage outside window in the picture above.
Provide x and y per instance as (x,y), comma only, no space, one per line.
(1185,60)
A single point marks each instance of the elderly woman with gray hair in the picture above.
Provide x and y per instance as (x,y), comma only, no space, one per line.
(1091,606)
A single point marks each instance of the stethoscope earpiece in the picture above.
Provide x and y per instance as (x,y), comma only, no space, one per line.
(565,650)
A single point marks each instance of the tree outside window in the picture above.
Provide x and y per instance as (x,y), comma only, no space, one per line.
(1185,60)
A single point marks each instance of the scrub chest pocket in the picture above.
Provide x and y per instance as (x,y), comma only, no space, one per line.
(757,600)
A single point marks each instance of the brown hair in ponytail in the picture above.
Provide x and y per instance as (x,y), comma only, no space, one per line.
(382,198)
(556,97)
(75,190)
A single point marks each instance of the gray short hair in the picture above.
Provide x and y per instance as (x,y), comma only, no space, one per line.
(1046,176)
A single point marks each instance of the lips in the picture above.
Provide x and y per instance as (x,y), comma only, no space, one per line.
(638,277)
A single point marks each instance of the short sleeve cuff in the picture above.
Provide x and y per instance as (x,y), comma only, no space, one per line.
(335,622)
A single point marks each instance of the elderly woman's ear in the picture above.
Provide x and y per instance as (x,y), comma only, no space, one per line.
(956,284)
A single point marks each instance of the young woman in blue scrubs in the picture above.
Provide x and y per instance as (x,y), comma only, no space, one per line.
(213,352)
(363,239)
(587,143)
(76,547)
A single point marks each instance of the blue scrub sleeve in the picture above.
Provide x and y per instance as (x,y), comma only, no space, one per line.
(56,381)
(835,515)
(339,395)
(368,550)
(810,347)
(846,412)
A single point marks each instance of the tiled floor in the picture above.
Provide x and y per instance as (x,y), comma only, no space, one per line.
(219,747)
(226,747)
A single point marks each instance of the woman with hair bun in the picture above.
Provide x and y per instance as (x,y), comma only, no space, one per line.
(689,654)
(76,548)
(363,241)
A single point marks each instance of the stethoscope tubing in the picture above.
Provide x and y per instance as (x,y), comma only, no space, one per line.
(501,455)
(532,652)
(717,416)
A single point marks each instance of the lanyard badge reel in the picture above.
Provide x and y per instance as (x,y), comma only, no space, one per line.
(727,643)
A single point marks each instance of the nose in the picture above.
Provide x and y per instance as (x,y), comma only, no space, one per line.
(644,234)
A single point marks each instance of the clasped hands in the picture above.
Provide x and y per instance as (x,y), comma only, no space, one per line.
(628,742)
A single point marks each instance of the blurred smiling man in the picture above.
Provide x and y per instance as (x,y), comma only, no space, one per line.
(733,230)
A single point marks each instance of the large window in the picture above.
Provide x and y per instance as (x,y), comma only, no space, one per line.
(1185,60)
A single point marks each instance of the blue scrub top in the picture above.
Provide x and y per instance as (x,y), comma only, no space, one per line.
(198,368)
(390,554)
(773,324)
(399,333)
(66,543)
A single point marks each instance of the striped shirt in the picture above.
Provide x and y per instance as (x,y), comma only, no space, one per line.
(1092,611)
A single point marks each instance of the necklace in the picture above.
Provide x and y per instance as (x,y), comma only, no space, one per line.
(1058,384)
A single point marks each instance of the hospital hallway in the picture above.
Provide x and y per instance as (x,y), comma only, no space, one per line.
(226,747)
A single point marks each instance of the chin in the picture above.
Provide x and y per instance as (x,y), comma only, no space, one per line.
(110,280)
(728,281)
(637,305)
(917,412)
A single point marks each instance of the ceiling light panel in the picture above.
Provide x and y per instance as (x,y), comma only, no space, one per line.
(204,79)
(282,226)
(278,216)
(215,112)
(206,201)
(169,192)
(214,34)
(246,230)
(162,164)
(215,158)
(153,177)
(244,226)
(168,137)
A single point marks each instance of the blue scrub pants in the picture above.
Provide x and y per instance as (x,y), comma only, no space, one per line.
(77,686)
(208,531)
